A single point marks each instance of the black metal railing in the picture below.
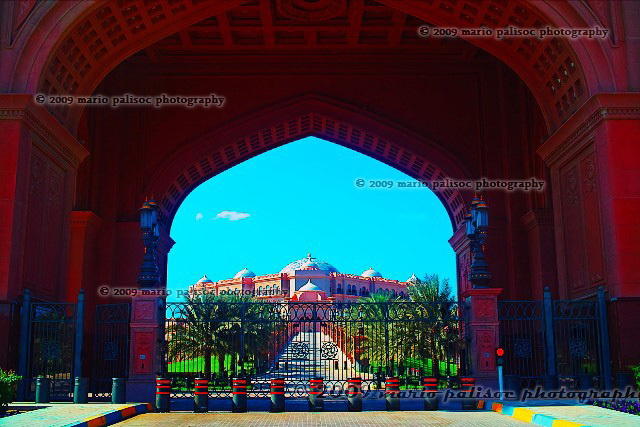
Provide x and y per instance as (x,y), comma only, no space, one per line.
(300,341)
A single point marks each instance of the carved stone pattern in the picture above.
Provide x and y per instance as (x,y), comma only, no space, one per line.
(144,310)
(571,189)
(485,309)
(589,179)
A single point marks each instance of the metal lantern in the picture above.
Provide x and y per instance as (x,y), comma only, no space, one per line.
(477,223)
(149,272)
(146,216)
(471,229)
(482,215)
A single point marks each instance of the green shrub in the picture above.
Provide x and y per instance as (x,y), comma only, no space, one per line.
(636,374)
(8,384)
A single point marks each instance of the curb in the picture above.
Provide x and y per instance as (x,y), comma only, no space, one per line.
(527,415)
(114,416)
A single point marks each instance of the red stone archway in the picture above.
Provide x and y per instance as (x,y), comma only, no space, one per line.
(79,43)
(309,115)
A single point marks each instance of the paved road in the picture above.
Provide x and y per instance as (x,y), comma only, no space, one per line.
(327,419)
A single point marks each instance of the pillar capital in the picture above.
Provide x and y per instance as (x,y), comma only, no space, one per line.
(572,135)
(51,134)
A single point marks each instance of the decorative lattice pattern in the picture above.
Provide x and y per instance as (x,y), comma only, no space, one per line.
(97,42)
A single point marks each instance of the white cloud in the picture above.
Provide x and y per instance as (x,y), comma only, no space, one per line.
(233,215)
(199,216)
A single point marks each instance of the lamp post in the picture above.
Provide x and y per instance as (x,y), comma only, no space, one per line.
(477,225)
(149,273)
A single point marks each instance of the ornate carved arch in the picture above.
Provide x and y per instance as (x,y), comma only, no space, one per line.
(309,115)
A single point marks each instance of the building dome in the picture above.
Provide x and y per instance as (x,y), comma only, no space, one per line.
(309,263)
(204,279)
(413,278)
(371,273)
(310,287)
(245,272)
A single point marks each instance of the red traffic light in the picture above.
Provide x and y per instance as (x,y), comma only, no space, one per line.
(499,351)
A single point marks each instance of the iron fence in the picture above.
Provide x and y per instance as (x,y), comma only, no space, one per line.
(562,342)
(300,341)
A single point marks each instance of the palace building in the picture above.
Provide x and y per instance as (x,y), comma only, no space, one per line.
(307,279)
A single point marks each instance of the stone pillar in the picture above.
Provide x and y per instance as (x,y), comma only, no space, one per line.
(39,160)
(595,172)
(82,255)
(538,224)
(144,357)
(460,244)
(483,333)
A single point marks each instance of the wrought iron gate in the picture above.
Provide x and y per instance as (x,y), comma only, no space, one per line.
(564,339)
(51,347)
(299,341)
(110,348)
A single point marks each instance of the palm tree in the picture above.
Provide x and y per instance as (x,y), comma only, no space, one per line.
(220,326)
(381,345)
(438,336)
(201,328)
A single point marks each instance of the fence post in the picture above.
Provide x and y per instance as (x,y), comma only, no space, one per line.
(79,336)
(605,350)
(23,351)
(551,377)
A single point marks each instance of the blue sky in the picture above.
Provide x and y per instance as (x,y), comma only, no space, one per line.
(302,197)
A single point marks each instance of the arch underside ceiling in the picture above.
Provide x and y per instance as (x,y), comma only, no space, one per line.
(223,157)
(112,30)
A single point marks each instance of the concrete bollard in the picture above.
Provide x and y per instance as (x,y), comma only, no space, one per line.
(392,391)
(201,395)
(80,392)
(42,390)
(163,394)
(354,394)
(118,393)
(316,390)
(239,395)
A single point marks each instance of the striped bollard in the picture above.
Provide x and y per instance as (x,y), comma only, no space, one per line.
(354,394)
(430,388)
(392,391)
(163,393)
(316,389)
(239,398)
(201,395)
(277,395)
(466,386)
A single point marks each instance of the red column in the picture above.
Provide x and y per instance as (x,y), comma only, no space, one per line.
(38,165)
(593,160)
(538,225)
(82,255)
(483,328)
